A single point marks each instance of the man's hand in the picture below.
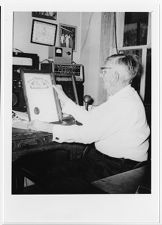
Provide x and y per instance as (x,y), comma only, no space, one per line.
(65,101)
(61,95)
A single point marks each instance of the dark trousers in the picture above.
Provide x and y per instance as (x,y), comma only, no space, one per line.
(92,166)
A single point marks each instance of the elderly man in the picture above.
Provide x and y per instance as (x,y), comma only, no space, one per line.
(118,127)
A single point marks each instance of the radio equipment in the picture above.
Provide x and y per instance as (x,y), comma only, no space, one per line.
(64,71)
(60,55)
(25,61)
(63,76)
(21,61)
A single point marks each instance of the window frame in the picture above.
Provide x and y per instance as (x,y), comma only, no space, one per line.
(120,18)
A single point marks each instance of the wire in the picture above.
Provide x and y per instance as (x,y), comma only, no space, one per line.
(48,60)
(116,45)
(18,50)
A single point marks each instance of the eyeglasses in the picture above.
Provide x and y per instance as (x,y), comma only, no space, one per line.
(104,70)
(105,67)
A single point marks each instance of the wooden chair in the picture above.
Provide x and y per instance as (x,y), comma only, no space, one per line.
(137,180)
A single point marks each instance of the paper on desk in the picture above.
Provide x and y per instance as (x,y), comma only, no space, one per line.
(16,115)
(20,120)
(20,124)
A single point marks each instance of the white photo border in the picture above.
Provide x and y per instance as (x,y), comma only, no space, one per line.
(78,209)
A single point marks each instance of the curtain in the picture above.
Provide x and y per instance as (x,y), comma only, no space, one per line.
(107,35)
(107,45)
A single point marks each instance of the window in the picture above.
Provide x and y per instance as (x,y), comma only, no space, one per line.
(135,29)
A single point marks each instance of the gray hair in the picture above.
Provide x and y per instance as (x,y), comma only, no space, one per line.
(131,63)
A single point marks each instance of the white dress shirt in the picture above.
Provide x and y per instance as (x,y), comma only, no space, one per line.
(118,127)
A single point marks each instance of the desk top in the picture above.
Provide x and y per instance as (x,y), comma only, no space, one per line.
(26,138)
(25,141)
(22,137)
(19,134)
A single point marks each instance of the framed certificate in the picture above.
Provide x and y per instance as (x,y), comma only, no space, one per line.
(41,99)
(43,33)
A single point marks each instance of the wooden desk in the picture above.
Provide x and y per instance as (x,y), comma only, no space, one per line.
(26,141)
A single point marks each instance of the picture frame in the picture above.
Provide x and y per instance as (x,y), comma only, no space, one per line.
(43,33)
(68,36)
(45,15)
(37,86)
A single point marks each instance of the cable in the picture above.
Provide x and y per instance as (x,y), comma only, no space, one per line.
(18,50)
(116,45)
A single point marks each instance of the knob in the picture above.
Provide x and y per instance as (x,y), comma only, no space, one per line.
(88,100)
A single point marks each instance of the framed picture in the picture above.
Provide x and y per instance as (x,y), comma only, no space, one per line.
(41,99)
(67,37)
(43,33)
(45,15)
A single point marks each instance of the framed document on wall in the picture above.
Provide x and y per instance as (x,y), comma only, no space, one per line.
(43,33)
(41,99)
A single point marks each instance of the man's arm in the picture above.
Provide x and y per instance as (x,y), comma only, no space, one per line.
(103,123)
(61,133)
(70,107)
(100,125)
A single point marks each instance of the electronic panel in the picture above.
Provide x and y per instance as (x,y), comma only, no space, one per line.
(21,61)
(63,72)
(60,55)
(63,76)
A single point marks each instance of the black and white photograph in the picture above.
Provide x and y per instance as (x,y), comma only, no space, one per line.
(68,36)
(82,122)
(97,148)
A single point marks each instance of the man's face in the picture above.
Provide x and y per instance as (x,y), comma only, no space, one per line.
(108,75)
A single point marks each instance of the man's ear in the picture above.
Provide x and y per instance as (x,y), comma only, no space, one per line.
(115,77)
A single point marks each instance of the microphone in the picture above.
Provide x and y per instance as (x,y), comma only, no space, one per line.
(88,100)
